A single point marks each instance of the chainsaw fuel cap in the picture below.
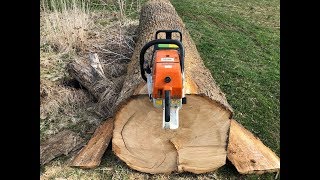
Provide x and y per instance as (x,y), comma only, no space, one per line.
(167,79)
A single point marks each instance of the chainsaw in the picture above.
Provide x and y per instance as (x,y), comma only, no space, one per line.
(164,75)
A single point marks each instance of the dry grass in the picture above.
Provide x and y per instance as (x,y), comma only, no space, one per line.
(55,97)
(126,7)
(112,168)
(66,27)
(117,47)
(70,30)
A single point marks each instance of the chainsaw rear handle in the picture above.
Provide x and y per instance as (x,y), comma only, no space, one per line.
(160,41)
(169,34)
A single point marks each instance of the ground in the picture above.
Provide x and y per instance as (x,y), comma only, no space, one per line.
(239,42)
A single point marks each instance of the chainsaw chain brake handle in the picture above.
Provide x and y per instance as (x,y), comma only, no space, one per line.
(160,41)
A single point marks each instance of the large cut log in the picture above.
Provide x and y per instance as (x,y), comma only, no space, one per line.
(90,155)
(199,144)
(248,154)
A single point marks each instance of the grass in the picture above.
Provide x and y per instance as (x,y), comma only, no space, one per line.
(66,24)
(243,55)
(237,40)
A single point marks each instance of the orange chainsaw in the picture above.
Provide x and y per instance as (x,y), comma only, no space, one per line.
(164,75)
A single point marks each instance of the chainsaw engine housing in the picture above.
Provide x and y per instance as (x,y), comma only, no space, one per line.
(167,74)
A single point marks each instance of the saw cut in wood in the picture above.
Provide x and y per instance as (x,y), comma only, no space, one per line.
(248,154)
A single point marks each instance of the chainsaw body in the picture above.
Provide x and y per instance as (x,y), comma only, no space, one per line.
(164,75)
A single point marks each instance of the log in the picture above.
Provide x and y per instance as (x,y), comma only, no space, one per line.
(100,84)
(96,64)
(248,154)
(199,145)
(61,143)
(90,155)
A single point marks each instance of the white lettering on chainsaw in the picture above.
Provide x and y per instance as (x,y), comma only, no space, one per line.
(167,59)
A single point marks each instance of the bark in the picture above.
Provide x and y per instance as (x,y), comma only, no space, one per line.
(62,143)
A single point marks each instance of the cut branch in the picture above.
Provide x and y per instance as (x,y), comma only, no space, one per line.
(248,154)
(90,155)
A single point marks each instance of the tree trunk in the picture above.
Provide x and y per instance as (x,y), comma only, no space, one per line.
(199,145)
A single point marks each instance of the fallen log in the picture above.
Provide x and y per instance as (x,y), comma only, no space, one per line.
(90,155)
(61,143)
(248,154)
(199,144)
(105,89)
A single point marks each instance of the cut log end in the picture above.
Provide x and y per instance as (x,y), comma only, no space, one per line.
(248,154)
(197,146)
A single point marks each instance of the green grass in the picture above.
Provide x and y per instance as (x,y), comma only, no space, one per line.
(239,41)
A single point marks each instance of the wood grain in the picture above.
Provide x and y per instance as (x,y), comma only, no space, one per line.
(248,154)
(198,145)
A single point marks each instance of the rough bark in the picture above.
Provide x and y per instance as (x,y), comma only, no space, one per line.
(90,155)
(59,144)
(199,144)
(248,154)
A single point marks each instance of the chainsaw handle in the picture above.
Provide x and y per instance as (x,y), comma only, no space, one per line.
(169,33)
(160,41)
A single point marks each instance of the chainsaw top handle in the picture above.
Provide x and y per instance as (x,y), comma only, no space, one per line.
(160,41)
(169,34)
